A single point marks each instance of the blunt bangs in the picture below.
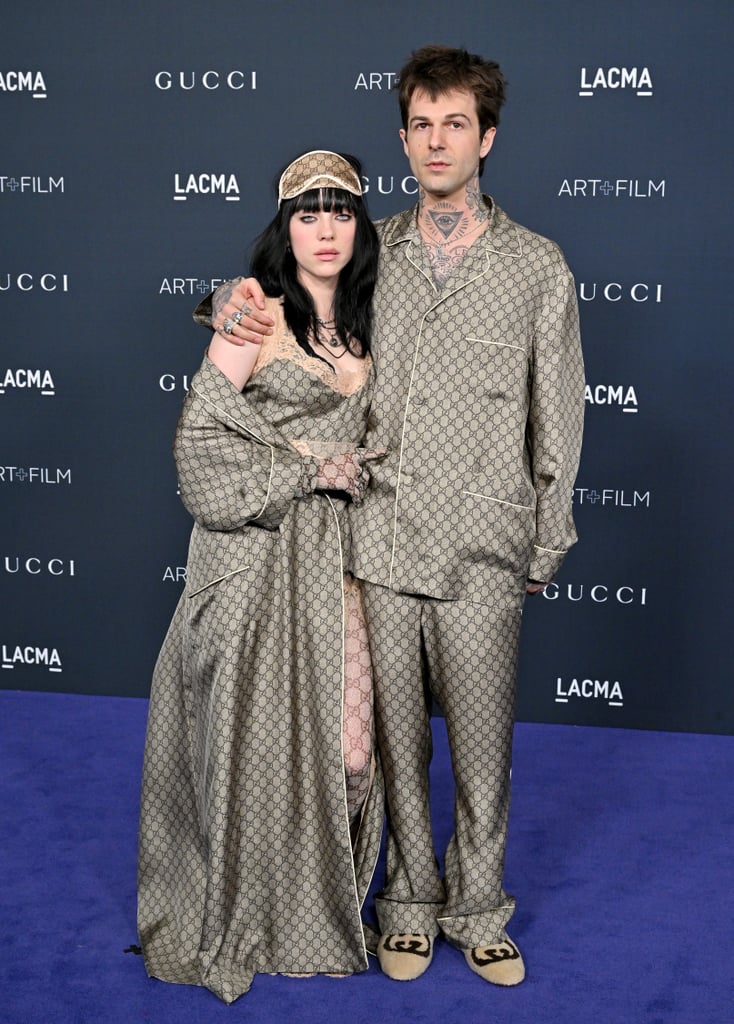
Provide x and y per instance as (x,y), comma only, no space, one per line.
(326,199)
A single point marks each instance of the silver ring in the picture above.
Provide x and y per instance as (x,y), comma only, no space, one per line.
(246,310)
(238,316)
(227,325)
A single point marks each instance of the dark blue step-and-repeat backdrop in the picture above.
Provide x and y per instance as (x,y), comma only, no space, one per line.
(139,148)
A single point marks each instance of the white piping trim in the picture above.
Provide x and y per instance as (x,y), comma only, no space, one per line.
(219,579)
(454,917)
(227,415)
(499,501)
(551,551)
(501,344)
(503,252)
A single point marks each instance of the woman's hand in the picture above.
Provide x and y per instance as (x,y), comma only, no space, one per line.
(237,312)
(347,472)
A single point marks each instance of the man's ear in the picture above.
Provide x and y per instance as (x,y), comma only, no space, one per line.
(487,141)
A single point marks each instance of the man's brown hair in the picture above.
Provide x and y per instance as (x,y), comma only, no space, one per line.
(439,69)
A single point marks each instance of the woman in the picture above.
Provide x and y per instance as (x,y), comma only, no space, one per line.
(261,807)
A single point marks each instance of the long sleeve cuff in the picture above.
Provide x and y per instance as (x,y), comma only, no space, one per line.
(545,564)
(203,312)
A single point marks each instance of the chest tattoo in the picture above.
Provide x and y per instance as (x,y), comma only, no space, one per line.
(443,260)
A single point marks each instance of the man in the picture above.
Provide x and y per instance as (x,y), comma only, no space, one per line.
(479,400)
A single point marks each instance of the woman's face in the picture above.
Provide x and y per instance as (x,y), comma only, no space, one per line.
(322,243)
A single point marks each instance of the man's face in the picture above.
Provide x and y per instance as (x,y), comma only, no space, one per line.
(442,141)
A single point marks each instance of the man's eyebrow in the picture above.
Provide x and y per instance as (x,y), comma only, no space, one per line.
(446,117)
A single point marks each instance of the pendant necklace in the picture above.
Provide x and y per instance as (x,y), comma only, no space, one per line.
(332,339)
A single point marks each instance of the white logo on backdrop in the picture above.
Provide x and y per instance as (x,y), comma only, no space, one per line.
(34,475)
(13,564)
(172,382)
(24,81)
(637,80)
(616,188)
(206,184)
(27,282)
(209,80)
(174,574)
(385,184)
(16,655)
(623,396)
(189,285)
(611,497)
(382,81)
(613,291)
(27,380)
(30,183)
(590,689)
(599,593)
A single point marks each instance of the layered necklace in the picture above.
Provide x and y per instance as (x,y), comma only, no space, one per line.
(327,335)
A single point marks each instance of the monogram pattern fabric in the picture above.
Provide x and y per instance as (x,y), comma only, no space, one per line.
(318,169)
(480,402)
(246,862)
(469,651)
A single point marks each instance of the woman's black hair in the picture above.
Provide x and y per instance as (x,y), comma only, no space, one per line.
(274,266)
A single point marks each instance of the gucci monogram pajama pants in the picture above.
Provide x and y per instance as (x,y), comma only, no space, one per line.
(466,655)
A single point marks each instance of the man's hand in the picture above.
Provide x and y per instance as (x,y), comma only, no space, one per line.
(536,588)
(237,311)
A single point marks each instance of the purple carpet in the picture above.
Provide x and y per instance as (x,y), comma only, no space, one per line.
(620,857)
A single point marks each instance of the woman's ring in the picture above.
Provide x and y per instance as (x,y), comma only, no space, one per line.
(227,325)
(238,316)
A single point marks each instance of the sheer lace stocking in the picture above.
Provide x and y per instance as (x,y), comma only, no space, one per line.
(358,712)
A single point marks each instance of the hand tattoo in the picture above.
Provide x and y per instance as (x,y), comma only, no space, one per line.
(222,295)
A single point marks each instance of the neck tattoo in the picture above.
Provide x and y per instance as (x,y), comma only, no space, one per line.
(449,228)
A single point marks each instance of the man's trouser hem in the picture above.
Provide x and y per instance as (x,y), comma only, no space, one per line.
(398,918)
(482,929)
